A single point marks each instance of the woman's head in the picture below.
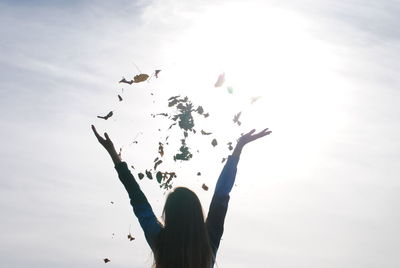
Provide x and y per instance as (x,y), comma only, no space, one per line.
(184,240)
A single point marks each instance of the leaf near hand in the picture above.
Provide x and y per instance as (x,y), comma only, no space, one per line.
(159,176)
(141,176)
(161,149)
(107,116)
(106,260)
(205,133)
(119,97)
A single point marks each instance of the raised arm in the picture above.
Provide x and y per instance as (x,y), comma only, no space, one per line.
(226,180)
(138,200)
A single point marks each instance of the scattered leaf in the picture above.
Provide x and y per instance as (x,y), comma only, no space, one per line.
(220,80)
(141,176)
(200,110)
(107,116)
(230,90)
(223,160)
(254,99)
(148,174)
(106,260)
(112,202)
(206,115)
(156,73)
(230,146)
(157,164)
(130,237)
(140,78)
(205,133)
(199,173)
(123,80)
(132,167)
(214,142)
(161,149)
(236,118)
(159,176)
(205,187)
(119,97)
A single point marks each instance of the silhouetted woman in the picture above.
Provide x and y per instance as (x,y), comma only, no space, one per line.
(185,240)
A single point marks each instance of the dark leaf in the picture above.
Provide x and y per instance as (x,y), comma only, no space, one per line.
(148,174)
(107,116)
(155,160)
(199,173)
(132,167)
(156,73)
(159,176)
(123,80)
(130,237)
(185,134)
(157,164)
(112,202)
(223,160)
(119,97)
(205,187)
(106,260)
(206,115)
(214,142)
(141,176)
(230,146)
(161,149)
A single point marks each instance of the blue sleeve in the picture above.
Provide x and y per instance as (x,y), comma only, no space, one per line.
(219,203)
(141,206)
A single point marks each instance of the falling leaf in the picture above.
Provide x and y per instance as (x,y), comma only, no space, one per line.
(220,80)
(141,176)
(236,118)
(223,160)
(185,134)
(205,187)
(123,80)
(206,115)
(230,146)
(112,202)
(230,90)
(254,99)
(107,116)
(161,149)
(119,97)
(159,176)
(130,237)
(199,173)
(140,78)
(205,133)
(200,110)
(156,73)
(157,164)
(214,142)
(184,154)
(106,260)
(148,174)
(132,167)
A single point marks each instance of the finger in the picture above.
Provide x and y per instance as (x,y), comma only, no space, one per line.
(251,132)
(95,132)
(106,135)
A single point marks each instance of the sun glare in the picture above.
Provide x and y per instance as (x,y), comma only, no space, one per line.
(266,52)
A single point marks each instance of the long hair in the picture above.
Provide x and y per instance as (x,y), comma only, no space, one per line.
(184,241)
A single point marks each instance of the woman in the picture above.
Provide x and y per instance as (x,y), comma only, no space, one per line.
(185,240)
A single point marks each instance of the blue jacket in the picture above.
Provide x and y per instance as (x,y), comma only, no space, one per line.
(216,214)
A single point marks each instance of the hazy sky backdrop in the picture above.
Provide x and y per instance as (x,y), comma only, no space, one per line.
(322,190)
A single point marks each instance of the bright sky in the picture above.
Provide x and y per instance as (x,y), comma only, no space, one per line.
(321,191)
